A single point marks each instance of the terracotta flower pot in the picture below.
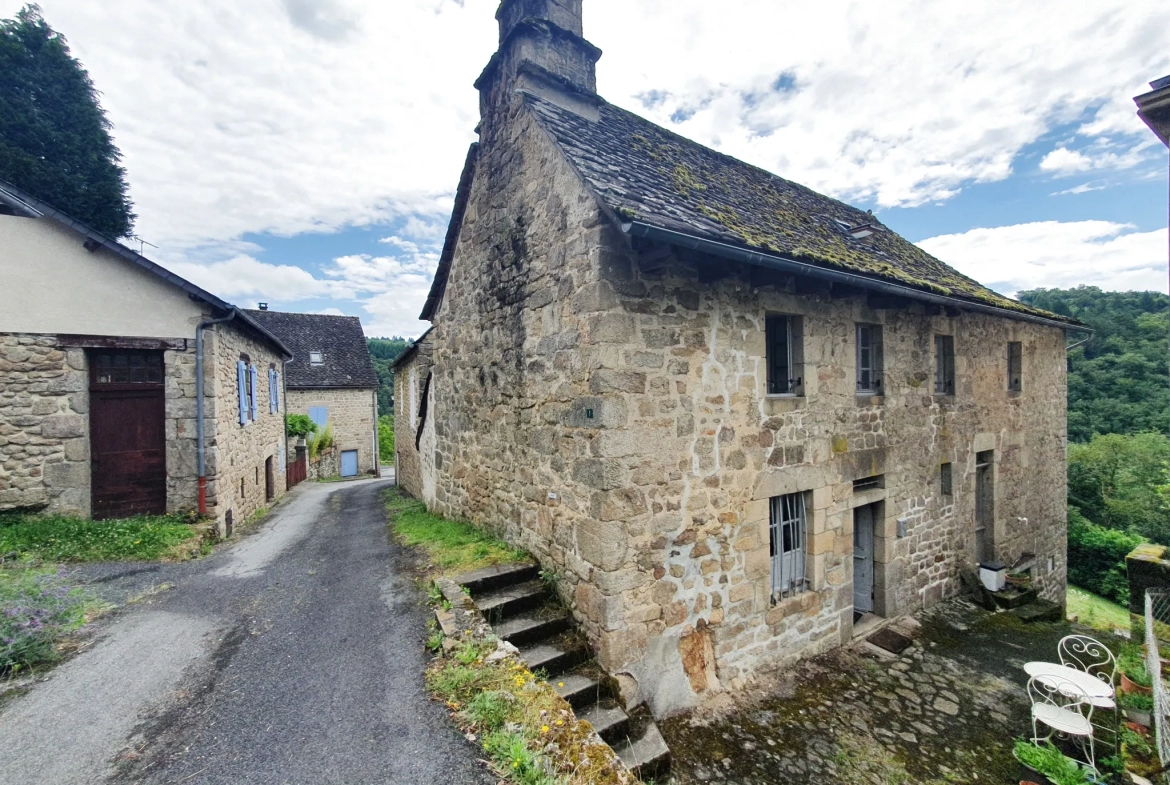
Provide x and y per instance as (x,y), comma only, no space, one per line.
(1130,686)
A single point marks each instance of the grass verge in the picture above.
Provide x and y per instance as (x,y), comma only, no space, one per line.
(529,733)
(59,538)
(38,610)
(1096,612)
(452,547)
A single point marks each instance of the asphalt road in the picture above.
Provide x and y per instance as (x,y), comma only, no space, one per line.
(293,657)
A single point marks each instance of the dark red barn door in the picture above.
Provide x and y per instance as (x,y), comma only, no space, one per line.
(127,434)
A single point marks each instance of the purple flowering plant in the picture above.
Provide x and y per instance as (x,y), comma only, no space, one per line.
(37,608)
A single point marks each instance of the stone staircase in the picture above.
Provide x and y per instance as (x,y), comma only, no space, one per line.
(523,611)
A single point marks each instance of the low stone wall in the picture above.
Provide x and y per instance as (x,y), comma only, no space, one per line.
(325,465)
(1147,568)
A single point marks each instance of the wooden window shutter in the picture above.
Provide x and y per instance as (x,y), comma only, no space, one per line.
(252,387)
(242,388)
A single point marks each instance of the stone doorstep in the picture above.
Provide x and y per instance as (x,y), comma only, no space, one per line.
(578,690)
(611,723)
(552,658)
(511,600)
(531,626)
(648,756)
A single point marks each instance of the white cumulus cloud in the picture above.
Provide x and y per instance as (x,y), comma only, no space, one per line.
(1057,254)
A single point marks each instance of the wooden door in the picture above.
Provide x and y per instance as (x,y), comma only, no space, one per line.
(863,559)
(270,478)
(127,434)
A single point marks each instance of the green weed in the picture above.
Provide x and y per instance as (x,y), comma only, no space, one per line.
(63,539)
(38,607)
(452,546)
(510,752)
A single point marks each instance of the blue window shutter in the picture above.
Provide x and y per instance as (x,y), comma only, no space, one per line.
(276,377)
(242,387)
(252,381)
(282,456)
(319,415)
(271,391)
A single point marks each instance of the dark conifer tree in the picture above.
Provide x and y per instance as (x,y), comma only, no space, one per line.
(54,136)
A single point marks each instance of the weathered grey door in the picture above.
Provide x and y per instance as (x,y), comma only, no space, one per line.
(863,559)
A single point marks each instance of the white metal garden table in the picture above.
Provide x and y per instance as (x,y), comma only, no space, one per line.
(1098,691)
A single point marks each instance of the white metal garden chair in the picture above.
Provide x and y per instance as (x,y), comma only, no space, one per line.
(1094,658)
(1064,709)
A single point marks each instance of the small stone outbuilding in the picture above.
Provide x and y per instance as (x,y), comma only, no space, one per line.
(99,387)
(331,378)
(732,414)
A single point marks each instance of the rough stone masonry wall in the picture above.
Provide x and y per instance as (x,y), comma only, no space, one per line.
(409,381)
(44,426)
(705,449)
(351,413)
(615,424)
(236,453)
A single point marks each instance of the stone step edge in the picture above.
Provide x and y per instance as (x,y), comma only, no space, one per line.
(464,621)
(498,576)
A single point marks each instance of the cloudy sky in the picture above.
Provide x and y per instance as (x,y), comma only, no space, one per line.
(306,152)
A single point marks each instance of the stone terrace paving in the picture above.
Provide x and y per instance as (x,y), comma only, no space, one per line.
(946,711)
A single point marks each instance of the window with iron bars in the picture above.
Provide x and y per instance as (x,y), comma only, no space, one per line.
(785,355)
(788,530)
(869,359)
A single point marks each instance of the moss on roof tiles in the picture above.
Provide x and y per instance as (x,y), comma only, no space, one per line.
(687,187)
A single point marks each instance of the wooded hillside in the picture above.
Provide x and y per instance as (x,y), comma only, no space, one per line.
(384,351)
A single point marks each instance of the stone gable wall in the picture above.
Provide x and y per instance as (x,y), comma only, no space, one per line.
(614,422)
(236,453)
(351,413)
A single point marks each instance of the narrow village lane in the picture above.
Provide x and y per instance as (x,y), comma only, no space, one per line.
(294,657)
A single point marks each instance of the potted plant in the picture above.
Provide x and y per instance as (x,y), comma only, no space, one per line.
(1019,580)
(1050,764)
(1138,708)
(1134,677)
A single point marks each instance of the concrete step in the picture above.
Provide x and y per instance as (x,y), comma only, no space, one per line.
(610,721)
(1039,610)
(498,576)
(532,626)
(554,657)
(578,690)
(498,605)
(1014,598)
(646,755)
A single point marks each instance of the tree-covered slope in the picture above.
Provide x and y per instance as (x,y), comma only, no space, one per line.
(384,351)
(1118,382)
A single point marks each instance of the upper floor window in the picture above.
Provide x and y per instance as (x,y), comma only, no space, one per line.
(784,354)
(869,359)
(1015,366)
(944,364)
(316,358)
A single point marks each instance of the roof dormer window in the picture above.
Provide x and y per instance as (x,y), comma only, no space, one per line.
(316,358)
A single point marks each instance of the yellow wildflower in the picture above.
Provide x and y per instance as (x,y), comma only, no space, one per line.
(544,729)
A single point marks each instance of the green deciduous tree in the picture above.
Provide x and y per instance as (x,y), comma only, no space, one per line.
(384,351)
(1119,381)
(54,136)
(1120,482)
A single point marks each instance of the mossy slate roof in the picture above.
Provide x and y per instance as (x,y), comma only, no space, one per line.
(340,339)
(650,175)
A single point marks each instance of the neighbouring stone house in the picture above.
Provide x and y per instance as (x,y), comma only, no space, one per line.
(99,387)
(731,413)
(331,378)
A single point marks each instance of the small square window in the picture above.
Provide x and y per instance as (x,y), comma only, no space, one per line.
(784,355)
(869,359)
(946,480)
(316,358)
(1015,366)
(944,364)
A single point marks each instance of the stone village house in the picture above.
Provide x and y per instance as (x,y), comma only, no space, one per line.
(731,413)
(331,378)
(100,381)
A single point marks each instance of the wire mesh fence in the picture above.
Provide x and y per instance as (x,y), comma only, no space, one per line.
(1158,631)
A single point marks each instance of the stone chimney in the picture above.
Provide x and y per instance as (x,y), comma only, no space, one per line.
(541,51)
